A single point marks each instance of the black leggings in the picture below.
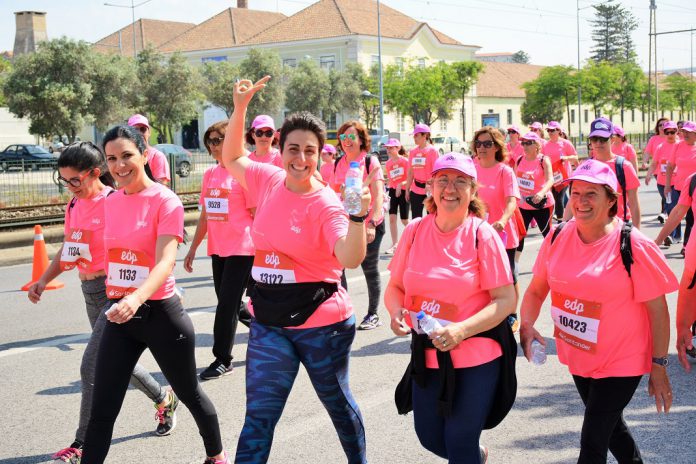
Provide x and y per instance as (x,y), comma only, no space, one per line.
(165,328)
(604,428)
(416,200)
(543,220)
(398,204)
(559,201)
(230,277)
(370,267)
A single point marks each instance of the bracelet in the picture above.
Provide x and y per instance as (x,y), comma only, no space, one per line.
(357,219)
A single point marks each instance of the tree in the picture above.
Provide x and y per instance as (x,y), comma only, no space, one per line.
(611,32)
(600,83)
(628,90)
(520,57)
(465,75)
(113,80)
(369,103)
(628,24)
(217,78)
(539,107)
(259,63)
(52,87)
(548,94)
(345,90)
(308,88)
(682,90)
(5,68)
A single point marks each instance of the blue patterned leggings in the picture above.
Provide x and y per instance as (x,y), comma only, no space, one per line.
(273,360)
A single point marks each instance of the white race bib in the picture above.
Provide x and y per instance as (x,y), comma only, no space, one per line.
(272,267)
(418,161)
(128,269)
(216,202)
(526,184)
(576,321)
(76,250)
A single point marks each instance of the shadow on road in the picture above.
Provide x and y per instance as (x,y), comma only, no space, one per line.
(36,459)
(36,341)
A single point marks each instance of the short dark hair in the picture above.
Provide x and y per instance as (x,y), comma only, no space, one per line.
(220,127)
(85,156)
(303,120)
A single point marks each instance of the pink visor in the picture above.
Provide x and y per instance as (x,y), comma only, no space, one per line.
(595,172)
(456,161)
(669,125)
(689,126)
(618,130)
(138,120)
(531,136)
(420,129)
(263,120)
(514,128)
(536,125)
(392,143)
(553,125)
(328,148)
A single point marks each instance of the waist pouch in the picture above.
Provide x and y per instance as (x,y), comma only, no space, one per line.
(289,305)
(541,205)
(419,184)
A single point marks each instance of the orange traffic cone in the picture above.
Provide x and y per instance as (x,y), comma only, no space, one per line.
(40,262)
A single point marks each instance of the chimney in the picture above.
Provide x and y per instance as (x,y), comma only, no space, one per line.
(242,4)
(31,29)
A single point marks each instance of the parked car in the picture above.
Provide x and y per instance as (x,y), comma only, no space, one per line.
(331,138)
(24,156)
(184,160)
(378,149)
(448,144)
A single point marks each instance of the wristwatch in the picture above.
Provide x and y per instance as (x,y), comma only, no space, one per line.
(663,361)
(357,219)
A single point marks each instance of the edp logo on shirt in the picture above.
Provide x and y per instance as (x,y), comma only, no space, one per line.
(575,306)
(272,259)
(127,256)
(432,307)
(76,235)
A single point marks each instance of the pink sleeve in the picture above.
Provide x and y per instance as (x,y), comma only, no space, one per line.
(397,266)
(510,186)
(374,164)
(650,272)
(171,216)
(159,165)
(494,266)
(650,147)
(334,222)
(684,198)
(540,265)
(568,148)
(632,181)
(257,176)
(631,153)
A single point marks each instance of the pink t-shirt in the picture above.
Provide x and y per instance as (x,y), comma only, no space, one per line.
(397,171)
(83,246)
(295,235)
(495,185)
(227,213)
(601,323)
(687,200)
(654,141)
(684,160)
(272,157)
(662,155)
(531,179)
(132,225)
(514,153)
(554,150)
(342,166)
(624,149)
(632,183)
(421,161)
(158,163)
(326,171)
(449,277)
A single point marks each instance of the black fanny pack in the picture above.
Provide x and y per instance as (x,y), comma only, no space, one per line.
(530,201)
(288,305)
(419,184)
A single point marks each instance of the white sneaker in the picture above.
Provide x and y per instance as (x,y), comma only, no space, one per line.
(391,251)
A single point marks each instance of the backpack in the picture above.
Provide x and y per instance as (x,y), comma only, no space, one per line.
(621,177)
(624,243)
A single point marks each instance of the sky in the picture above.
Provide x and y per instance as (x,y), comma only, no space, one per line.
(545,30)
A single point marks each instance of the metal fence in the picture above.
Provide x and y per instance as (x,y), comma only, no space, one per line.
(28,185)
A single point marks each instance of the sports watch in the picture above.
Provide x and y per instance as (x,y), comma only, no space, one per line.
(663,361)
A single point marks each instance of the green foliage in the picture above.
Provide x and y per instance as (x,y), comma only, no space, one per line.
(600,84)
(548,94)
(5,68)
(520,57)
(308,88)
(257,64)
(682,91)
(460,81)
(628,94)
(369,105)
(611,33)
(217,78)
(345,90)
(113,80)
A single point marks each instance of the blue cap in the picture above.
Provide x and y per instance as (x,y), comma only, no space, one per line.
(601,127)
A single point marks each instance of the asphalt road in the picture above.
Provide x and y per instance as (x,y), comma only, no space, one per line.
(41,347)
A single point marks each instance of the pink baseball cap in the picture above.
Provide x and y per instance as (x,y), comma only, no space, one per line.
(618,130)
(514,128)
(420,129)
(328,148)
(536,125)
(456,161)
(689,126)
(263,120)
(553,125)
(392,143)
(138,120)
(595,172)
(669,125)
(531,136)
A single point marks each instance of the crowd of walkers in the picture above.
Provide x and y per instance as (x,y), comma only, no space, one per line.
(277,230)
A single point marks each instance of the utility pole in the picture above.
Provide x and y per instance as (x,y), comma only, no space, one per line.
(650,55)
(381,83)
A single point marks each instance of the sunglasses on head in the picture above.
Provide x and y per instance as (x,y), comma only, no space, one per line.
(264,133)
(215,141)
(343,137)
(599,139)
(484,144)
(527,143)
(670,132)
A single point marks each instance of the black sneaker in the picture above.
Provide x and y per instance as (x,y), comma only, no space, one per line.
(216,370)
(166,416)
(370,322)
(668,241)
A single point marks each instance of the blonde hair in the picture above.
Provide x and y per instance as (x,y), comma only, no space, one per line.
(476,205)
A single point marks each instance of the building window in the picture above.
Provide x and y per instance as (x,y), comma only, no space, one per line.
(572,116)
(327,62)
(509,116)
(421,62)
(330,121)
(443,125)
(587,113)
(290,62)
(400,122)
(633,115)
(375,60)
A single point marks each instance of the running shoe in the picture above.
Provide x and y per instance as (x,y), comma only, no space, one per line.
(166,415)
(483,451)
(72,454)
(216,370)
(661,218)
(218,461)
(668,241)
(683,252)
(370,322)
(391,251)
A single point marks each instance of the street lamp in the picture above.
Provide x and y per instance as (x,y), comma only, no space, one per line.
(132,7)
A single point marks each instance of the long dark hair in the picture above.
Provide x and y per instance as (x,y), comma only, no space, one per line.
(85,156)
(132,134)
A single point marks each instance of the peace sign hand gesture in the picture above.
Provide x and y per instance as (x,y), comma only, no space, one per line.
(244,90)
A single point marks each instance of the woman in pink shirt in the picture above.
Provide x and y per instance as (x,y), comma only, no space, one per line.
(328,158)
(620,147)
(452,266)
(654,141)
(658,166)
(226,219)
(143,225)
(611,319)
(263,137)
(421,160)
(563,156)
(397,175)
(681,165)
(303,240)
(83,171)
(514,147)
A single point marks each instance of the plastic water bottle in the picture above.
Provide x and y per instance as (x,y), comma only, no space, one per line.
(352,194)
(668,197)
(538,353)
(427,323)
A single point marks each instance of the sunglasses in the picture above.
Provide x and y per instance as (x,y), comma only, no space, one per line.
(511,132)
(670,132)
(485,144)
(142,129)
(526,143)
(551,130)
(75,181)
(599,139)
(215,141)
(264,133)
(343,137)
